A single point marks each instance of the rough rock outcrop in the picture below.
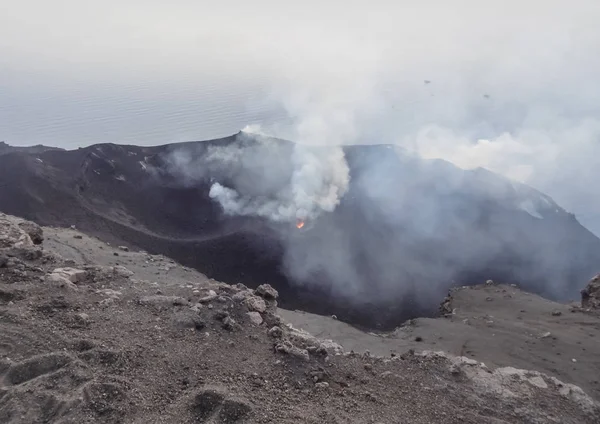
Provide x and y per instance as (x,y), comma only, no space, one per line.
(19,238)
(590,295)
(512,385)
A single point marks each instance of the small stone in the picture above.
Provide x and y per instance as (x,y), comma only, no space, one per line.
(321,385)
(288,348)
(189,319)
(72,274)
(266,291)
(418,339)
(255,318)
(275,332)
(121,271)
(78,236)
(334,316)
(488,299)
(556,313)
(115,254)
(369,367)
(489,282)
(229,324)
(196,308)
(82,318)
(212,295)
(546,335)
(124,248)
(254,303)
(163,301)
(221,315)
(574,360)
(241,296)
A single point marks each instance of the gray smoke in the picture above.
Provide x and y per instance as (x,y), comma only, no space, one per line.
(405,226)
(507,89)
(319,179)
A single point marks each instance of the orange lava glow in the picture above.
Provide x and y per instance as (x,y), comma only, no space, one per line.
(299,224)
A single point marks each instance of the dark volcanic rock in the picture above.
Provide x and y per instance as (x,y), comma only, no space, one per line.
(406,230)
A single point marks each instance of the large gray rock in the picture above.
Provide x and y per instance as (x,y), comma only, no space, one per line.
(254,303)
(74,275)
(266,291)
(35,232)
(11,234)
(590,295)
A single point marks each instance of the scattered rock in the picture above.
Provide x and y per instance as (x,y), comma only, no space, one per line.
(488,299)
(242,295)
(276,332)
(124,248)
(446,306)
(489,283)
(78,236)
(3,261)
(163,301)
(322,385)
(212,295)
(267,292)
(82,319)
(546,335)
(74,275)
(189,319)
(288,348)
(220,315)
(229,324)
(254,303)
(556,313)
(34,231)
(121,271)
(255,318)
(115,254)
(60,281)
(197,307)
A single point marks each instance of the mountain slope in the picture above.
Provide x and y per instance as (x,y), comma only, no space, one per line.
(405,231)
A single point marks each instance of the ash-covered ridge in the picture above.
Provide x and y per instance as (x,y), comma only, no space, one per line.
(385,248)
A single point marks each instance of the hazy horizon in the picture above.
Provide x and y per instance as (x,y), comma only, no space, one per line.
(510,86)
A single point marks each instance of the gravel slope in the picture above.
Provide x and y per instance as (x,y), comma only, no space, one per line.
(86,340)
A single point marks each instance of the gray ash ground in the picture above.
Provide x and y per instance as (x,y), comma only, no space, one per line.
(136,338)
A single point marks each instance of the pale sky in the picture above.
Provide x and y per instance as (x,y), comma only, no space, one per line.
(514,85)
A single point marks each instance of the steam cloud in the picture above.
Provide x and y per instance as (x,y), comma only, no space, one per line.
(510,98)
(319,179)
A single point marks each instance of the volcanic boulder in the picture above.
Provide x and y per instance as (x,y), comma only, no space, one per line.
(590,295)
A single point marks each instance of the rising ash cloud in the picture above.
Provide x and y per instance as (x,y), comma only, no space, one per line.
(385,227)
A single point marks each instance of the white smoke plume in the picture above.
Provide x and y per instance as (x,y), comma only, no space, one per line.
(262,177)
(511,88)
